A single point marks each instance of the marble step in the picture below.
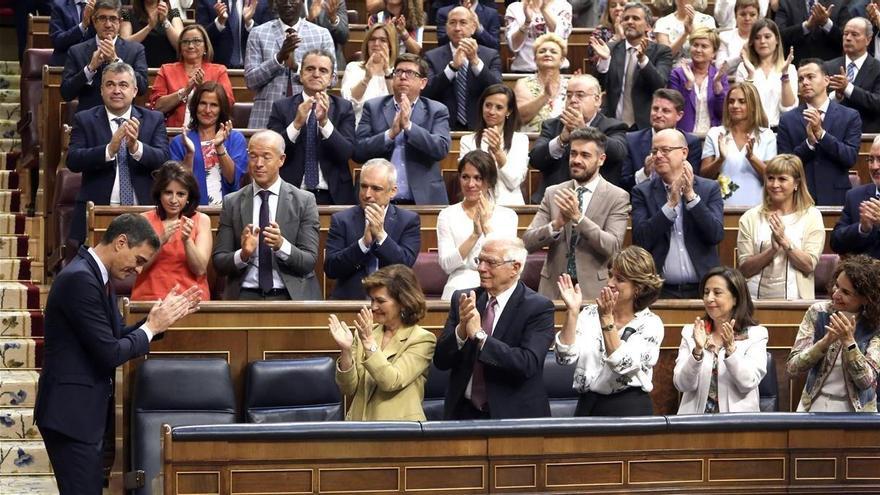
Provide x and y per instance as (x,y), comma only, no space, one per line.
(18,388)
(10,95)
(10,144)
(21,353)
(8,160)
(23,457)
(17,423)
(9,128)
(28,485)
(10,67)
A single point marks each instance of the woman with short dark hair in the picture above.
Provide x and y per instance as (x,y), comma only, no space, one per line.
(382,372)
(184,233)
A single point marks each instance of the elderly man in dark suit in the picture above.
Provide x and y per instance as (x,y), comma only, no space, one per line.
(855,77)
(815,33)
(85,61)
(550,153)
(70,23)
(85,341)
(858,229)
(487,31)
(318,130)
(824,134)
(495,340)
(372,235)
(228,23)
(267,243)
(633,69)
(410,131)
(678,218)
(459,72)
(116,147)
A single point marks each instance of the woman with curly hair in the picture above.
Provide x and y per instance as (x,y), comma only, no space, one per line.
(616,341)
(408,19)
(838,343)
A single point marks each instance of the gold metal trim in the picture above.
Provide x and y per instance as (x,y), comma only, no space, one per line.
(227,354)
(634,461)
(709,477)
(364,468)
(233,471)
(177,481)
(482,477)
(847,476)
(503,466)
(548,485)
(799,459)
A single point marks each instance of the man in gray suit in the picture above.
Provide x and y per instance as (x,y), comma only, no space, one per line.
(267,244)
(582,220)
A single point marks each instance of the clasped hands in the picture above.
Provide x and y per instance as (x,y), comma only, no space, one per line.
(568,209)
(374,227)
(469,321)
(320,102)
(173,307)
(250,237)
(401,120)
(466,50)
(726,332)
(682,187)
(128,131)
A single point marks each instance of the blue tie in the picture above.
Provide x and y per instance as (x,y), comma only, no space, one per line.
(263,249)
(398,159)
(234,22)
(461,95)
(851,72)
(126,194)
(311,172)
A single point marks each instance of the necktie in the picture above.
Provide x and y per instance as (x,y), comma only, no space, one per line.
(851,72)
(461,95)
(478,380)
(398,159)
(573,238)
(265,252)
(311,172)
(810,5)
(289,72)
(126,194)
(626,113)
(234,22)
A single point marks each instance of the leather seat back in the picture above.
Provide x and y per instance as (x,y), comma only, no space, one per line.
(558,380)
(241,113)
(31,92)
(67,185)
(531,273)
(431,277)
(435,393)
(823,272)
(768,389)
(284,390)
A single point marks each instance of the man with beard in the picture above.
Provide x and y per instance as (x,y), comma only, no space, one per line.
(582,220)
(857,230)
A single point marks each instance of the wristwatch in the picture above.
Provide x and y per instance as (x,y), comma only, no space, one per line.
(481,336)
(374,347)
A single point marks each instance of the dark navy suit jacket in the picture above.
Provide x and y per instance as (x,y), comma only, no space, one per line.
(64,30)
(638,145)
(512,357)
(347,264)
(222,40)
(703,224)
(865,97)
(845,238)
(490,21)
(88,142)
(441,89)
(827,166)
(73,80)
(85,341)
(333,152)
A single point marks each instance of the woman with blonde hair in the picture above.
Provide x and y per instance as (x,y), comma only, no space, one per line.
(780,240)
(611,22)
(528,21)
(701,83)
(738,148)
(368,78)
(541,96)
(615,342)
(765,65)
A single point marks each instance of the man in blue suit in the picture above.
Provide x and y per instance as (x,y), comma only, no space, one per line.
(495,340)
(69,23)
(410,131)
(318,130)
(678,218)
(228,21)
(667,108)
(857,229)
(116,147)
(370,236)
(459,72)
(86,341)
(486,32)
(86,61)
(824,134)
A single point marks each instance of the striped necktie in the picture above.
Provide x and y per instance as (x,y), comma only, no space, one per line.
(126,193)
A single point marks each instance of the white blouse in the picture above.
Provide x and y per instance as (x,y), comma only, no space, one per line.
(730,50)
(512,174)
(630,365)
(354,73)
(673,28)
(770,89)
(736,167)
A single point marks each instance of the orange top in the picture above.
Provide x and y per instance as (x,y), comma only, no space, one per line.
(169,268)
(172,77)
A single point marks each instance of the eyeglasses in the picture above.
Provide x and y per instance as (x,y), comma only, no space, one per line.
(407,74)
(873,159)
(491,263)
(192,42)
(665,150)
(579,95)
(112,19)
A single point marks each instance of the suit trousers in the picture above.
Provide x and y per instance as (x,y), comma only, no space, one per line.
(631,401)
(78,466)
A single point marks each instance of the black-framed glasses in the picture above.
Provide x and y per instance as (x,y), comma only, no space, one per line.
(665,150)
(873,159)
(407,74)
(491,263)
(107,18)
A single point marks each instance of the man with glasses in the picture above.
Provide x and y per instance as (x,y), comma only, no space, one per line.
(550,153)
(495,340)
(70,22)
(85,62)
(582,221)
(410,131)
(678,218)
(371,235)
(858,229)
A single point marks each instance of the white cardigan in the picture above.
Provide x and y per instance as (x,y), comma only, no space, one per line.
(738,375)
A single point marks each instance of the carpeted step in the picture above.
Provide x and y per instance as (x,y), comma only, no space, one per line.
(28,485)
(10,110)
(21,323)
(10,81)
(8,160)
(15,269)
(10,67)
(9,128)
(21,353)
(20,295)
(10,95)
(18,388)
(12,223)
(14,246)
(10,145)
(10,201)
(9,179)
(23,457)
(17,423)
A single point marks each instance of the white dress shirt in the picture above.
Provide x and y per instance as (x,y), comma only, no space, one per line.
(108,157)
(252,277)
(325,131)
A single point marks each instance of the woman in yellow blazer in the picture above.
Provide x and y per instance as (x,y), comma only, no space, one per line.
(382,371)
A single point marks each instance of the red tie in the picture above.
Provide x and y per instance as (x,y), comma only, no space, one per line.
(478,380)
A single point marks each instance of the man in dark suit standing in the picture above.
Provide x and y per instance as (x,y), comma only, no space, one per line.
(318,130)
(228,23)
(70,23)
(267,243)
(86,61)
(815,33)
(85,341)
(858,229)
(855,77)
(459,72)
(824,134)
(487,32)
(550,153)
(632,70)
(667,108)
(495,340)
(116,147)
(372,235)
(410,131)
(678,218)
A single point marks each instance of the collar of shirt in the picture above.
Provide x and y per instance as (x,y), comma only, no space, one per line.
(502,299)
(627,45)
(823,108)
(859,61)
(285,27)
(590,185)
(105,276)
(110,116)
(413,105)
(98,40)
(275,188)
